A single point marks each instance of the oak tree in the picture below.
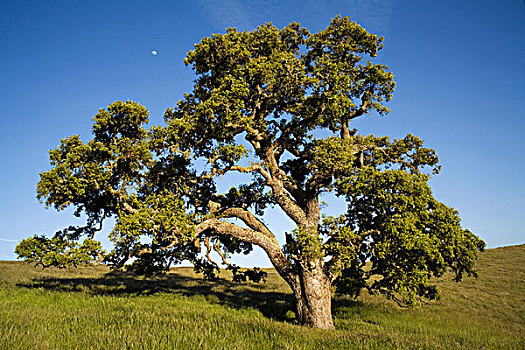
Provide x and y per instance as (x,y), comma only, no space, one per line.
(273,106)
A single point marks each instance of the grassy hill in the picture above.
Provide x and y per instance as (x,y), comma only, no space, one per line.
(93,308)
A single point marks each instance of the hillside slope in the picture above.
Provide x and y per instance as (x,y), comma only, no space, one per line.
(92,308)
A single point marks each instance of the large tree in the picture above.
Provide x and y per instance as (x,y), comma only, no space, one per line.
(273,106)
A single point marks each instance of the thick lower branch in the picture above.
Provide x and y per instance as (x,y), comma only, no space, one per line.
(268,244)
(249,219)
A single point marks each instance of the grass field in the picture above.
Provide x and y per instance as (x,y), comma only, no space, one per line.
(93,308)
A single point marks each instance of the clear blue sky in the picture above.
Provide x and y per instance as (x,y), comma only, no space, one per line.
(459,66)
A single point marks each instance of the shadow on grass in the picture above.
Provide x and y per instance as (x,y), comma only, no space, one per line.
(271,304)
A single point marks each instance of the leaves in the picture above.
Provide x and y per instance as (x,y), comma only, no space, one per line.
(413,238)
(303,246)
(59,252)
(95,177)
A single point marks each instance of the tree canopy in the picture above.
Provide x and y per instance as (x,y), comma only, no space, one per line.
(275,106)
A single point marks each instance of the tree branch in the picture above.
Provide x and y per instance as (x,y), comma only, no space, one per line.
(249,219)
(269,245)
(249,169)
(208,251)
(282,197)
(365,101)
(217,248)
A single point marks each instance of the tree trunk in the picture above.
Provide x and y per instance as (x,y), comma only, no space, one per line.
(313,297)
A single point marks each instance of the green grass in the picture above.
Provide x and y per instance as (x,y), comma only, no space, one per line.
(92,308)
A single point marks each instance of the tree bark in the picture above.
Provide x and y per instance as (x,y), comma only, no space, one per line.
(313,297)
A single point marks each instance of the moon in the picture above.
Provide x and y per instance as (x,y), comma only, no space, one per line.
(154,52)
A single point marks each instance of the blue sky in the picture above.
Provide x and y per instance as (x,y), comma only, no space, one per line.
(459,67)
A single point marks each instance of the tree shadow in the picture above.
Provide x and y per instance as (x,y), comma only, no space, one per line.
(272,304)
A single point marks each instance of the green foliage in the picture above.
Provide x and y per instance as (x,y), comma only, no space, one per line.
(59,252)
(303,245)
(120,121)
(246,196)
(290,316)
(344,247)
(280,83)
(94,177)
(411,237)
(169,231)
(333,157)
(337,74)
